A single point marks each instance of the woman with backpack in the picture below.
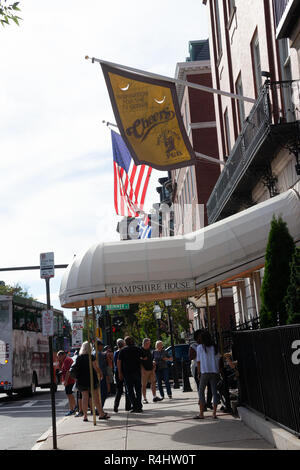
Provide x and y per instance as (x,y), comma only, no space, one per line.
(81,370)
(208,366)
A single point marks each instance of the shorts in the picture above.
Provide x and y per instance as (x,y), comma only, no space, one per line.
(84,388)
(109,374)
(148,376)
(69,389)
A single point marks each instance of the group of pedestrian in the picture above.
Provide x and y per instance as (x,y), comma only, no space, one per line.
(133,367)
(136,367)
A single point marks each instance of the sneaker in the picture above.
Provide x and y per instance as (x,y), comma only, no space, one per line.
(71,412)
(170,396)
(157,399)
(78,414)
(145,400)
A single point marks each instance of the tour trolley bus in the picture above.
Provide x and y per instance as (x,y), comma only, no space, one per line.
(24,351)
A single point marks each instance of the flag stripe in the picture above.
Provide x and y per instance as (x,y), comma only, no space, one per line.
(138,184)
(148,174)
(130,181)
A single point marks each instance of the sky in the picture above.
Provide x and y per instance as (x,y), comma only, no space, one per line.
(56,170)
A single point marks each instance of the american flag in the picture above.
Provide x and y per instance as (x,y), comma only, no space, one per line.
(130,181)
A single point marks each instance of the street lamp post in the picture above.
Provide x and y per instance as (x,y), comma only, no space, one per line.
(157,313)
(168,304)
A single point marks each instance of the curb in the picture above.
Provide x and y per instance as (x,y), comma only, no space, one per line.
(275,435)
(40,441)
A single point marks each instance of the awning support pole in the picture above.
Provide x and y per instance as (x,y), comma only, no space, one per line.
(208,310)
(219,320)
(90,361)
(96,347)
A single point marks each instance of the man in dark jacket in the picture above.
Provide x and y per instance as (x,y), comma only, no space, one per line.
(120,383)
(129,368)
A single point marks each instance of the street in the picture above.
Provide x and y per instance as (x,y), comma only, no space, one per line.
(24,419)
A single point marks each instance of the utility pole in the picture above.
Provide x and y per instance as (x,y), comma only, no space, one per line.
(52,385)
(46,272)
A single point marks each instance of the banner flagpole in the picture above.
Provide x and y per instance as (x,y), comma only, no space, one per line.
(174,80)
(198,155)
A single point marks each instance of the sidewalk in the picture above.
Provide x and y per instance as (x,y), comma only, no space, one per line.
(165,425)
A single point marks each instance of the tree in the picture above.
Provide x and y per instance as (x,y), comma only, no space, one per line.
(7,12)
(148,324)
(15,290)
(292,299)
(131,326)
(279,252)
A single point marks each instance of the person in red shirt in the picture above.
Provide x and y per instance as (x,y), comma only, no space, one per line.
(65,363)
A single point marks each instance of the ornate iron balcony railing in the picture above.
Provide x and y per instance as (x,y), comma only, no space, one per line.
(255,130)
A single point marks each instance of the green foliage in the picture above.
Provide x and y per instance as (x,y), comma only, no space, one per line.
(7,12)
(292,299)
(15,290)
(280,249)
(140,322)
(145,324)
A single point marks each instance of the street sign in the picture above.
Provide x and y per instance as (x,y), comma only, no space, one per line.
(47,323)
(77,328)
(118,307)
(77,338)
(47,265)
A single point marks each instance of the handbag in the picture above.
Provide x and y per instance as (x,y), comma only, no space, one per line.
(74,370)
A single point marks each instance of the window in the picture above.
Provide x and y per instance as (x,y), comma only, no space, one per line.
(190,173)
(256,65)
(25,318)
(218,28)
(231,8)
(227,132)
(186,116)
(186,192)
(193,172)
(285,65)
(240,103)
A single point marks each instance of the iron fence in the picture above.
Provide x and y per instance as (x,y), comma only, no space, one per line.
(269,368)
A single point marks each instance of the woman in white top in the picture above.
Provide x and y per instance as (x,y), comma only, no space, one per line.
(208,365)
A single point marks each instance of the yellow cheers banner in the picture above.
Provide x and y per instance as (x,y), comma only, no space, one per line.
(149,119)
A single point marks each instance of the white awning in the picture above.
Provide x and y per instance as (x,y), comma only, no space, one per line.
(141,270)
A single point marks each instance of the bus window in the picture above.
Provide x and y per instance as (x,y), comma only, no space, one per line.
(19,318)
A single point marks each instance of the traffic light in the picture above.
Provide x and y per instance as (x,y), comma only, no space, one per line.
(117,323)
